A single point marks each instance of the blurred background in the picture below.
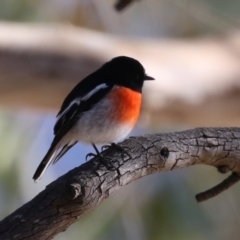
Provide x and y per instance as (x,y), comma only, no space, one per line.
(191,47)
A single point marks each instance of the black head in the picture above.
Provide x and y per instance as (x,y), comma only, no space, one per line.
(125,71)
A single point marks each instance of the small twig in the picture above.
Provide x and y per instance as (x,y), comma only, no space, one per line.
(121,4)
(224,185)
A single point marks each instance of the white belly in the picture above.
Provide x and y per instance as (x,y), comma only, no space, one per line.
(94,127)
(106,134)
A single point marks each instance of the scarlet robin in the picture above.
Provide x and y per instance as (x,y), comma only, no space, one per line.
(102,108)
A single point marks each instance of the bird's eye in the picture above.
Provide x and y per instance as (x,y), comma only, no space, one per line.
(137,77)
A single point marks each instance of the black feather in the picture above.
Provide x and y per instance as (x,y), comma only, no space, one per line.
(63,151)
(73,114)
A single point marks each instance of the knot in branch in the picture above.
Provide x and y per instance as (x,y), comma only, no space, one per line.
(164,153)
(74,190)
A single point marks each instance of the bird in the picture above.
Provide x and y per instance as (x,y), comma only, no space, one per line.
(102,108)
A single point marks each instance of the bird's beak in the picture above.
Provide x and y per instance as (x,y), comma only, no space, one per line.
(146,77)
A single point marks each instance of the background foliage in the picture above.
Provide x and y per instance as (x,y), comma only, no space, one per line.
(156,207)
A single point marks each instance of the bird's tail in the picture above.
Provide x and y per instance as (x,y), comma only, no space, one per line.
(55,152)
(49,157)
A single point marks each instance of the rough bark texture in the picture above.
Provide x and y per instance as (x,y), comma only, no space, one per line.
(67,199)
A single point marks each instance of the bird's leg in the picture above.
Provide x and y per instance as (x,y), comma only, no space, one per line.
(100,156)
(94,155)
(114,145)
(98,153)
(117,147)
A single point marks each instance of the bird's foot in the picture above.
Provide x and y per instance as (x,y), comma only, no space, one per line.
(103,160)
(118,148)
(89,155)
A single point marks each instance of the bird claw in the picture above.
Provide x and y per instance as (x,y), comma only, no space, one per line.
(117,147)
(102,159)
(108,165)
(90,155)
(104,147)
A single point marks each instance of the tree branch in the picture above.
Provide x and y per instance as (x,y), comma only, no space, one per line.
(67,199)
(122,4)
(224,185)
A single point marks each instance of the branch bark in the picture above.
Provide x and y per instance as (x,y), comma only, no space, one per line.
(67,199)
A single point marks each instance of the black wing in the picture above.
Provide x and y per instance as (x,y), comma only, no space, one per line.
(82,88)
(68,116)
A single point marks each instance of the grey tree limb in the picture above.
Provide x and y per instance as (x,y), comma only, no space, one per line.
(122,4)
(73,195)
